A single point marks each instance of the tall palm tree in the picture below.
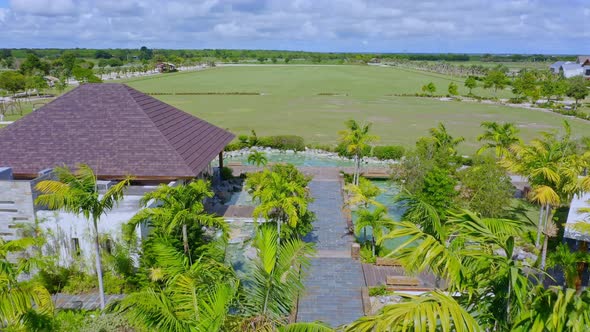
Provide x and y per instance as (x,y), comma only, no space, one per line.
(554,171)
(77,192)
(19,298)
(182,296)
(377,220)
(282,200)
(275,281)
(498,136)
(257,158)
(443,140)
(180,206)
(356,137)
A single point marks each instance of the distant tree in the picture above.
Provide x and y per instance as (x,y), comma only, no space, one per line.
(439,190)
(453,89)
(429,88)
(145,53)
(287,59)
(553,86)
(526,84)
(577,89)
(102,54)
(273,59)
(85,75)
(470,83)
(261,59)
(33,65)
(36,82)
(5,53)
(12,81)
(68,60)
(496,79)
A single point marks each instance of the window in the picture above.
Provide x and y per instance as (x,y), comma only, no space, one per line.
(587,72)
(76,246)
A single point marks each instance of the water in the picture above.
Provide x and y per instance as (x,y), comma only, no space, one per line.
(395,211)
(297,159)
(241,198)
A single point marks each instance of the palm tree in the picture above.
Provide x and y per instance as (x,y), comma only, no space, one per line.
(182,296)
(77,192)
(180,206)
(356,138)
(569,262)
(498,137)
(553,169)
(376,219)
(257,158)
(18,299)
(282,200)
(363,194)
(432,311)
(443,141)
(275,281)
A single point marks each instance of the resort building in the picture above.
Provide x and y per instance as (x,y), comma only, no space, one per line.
(116,130)
(577,216)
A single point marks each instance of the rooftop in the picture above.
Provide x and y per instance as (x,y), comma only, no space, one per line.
(117,130)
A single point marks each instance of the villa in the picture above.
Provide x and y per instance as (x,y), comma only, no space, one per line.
(570,69)
(118,131)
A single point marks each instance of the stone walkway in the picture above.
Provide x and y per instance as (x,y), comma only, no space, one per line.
(334,280)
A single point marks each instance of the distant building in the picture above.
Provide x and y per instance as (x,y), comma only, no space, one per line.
(118,131)
(583,60)
(165,67)
(569,69)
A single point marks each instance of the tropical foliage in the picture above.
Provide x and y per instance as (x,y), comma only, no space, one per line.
(357,138)
(77,192)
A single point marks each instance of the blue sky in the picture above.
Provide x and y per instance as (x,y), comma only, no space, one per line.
(471,26)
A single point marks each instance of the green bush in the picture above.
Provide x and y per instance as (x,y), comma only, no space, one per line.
(79,283)
(226,173)
(235,146)
(388,152)
(106,323)
(243,139)
(378,290)
(282,142)
(54,279)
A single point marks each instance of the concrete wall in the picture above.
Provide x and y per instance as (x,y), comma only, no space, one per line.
(64,229)
(16,207)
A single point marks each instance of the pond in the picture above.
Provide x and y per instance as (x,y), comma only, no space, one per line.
(389,191)
(297,159)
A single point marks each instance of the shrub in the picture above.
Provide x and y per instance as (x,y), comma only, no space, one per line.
(54,279)
(378,290)
(367,255)
(323,147)
(79,283)
(106,323)
(243,139)
(282,142)
(226,173)
(388,152)
(235,146)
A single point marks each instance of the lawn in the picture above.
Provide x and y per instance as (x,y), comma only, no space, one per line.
(290,103)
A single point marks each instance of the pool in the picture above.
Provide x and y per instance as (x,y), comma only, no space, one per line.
(241,198)
(297,159)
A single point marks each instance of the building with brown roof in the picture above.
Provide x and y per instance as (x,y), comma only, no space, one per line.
(115,129)
(118,131)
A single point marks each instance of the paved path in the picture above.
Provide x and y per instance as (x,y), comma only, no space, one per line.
(334,281)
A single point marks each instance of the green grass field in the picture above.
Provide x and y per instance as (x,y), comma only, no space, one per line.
(290,103)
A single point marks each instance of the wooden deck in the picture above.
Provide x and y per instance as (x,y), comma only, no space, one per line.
(377,276)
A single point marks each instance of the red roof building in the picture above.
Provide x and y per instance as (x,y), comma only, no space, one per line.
(115,129)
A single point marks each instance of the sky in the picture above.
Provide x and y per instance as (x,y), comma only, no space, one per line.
(454,26)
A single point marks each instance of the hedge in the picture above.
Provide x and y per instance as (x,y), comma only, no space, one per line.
(282,142)
(388,152)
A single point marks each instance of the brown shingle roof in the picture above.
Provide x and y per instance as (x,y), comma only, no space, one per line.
(115,129)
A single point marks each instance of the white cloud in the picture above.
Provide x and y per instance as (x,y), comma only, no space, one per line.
(44,7)
(326,25)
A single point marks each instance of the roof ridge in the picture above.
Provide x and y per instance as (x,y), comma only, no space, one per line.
(129,89)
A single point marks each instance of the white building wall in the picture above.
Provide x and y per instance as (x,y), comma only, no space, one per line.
(63,227)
